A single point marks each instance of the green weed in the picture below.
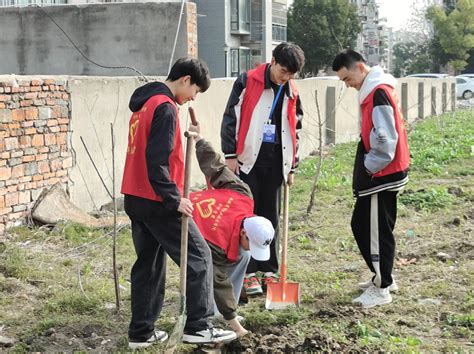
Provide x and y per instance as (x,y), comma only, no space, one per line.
(431,199)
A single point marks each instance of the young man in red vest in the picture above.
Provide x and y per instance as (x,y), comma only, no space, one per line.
(380,171)
(259,134)
(153,184)
(224,215)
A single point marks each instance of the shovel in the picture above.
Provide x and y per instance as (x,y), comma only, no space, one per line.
(177,334)
(283,294)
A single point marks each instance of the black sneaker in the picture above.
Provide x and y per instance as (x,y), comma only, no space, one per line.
(158,336)
(209,336)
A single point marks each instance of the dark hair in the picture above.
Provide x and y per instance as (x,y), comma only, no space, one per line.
(196,68)
(289,55)
(347,59)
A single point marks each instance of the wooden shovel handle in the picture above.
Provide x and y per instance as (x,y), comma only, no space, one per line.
(192,115)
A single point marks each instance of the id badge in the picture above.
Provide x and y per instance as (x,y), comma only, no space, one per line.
(269,133)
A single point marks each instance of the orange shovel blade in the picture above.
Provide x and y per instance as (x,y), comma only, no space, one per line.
(282,295)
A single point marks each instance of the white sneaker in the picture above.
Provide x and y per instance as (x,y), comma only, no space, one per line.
(373,296)
(158,336)
(209,335)
(393,287)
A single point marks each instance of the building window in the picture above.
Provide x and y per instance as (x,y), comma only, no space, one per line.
(20,3)
(278,33)
(240,15)
(240,61)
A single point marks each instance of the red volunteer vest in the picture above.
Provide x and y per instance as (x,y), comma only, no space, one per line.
(254,88)
(401,161)
(218,213)
(135,176)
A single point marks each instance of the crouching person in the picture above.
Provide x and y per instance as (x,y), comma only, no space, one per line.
(225,217)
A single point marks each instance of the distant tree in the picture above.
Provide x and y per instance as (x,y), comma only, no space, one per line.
(410,58)
(455,31)
(322,28)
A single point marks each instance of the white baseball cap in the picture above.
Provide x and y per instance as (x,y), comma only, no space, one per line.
(260,233)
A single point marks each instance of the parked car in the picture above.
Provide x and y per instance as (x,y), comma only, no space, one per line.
(429,75)
(464,87)
(470,76)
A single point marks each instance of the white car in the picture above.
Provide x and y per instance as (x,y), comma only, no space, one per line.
(470,76)
(464,87)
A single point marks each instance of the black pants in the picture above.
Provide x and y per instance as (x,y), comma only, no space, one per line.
(152,241)
(265,184)
(372,224)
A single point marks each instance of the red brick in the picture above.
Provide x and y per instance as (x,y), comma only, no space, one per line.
(45,88)
(38,140)
(41,157)
(35,89)
(25,141)
(61,173)
(2,105)
(64,128)
(54,129)
(27,124)
(61,138)
(18,114)
(13,188)
(48,175)
(31,95)
(56,164)
(31,113)
(43,149)
(36,82)
(25,179)
(49,82)
(43,166)
(29,131)
(37,178)
(28,158)
(5,211)
(49,139)
(11,199)
(31,185)
(4,98)
(15,89)
(52,122)
(26,103)
(50,102)
(2,202)
(5,155)
(5,173)
(18,171)
(63,120)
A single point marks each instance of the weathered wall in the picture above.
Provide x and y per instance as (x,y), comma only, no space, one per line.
(115,34)
(34,152)
(36,114)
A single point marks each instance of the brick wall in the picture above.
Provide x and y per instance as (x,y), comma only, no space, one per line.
(191,26)
(34,152)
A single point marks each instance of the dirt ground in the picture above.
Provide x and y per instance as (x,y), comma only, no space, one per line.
(56,284)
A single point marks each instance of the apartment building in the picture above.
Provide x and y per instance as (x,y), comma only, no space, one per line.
(236,35)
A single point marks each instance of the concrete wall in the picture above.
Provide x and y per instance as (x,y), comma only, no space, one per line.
(93,103)
(116,34)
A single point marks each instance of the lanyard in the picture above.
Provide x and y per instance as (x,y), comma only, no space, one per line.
(275,101)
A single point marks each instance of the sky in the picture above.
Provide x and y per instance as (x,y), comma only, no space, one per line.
(397,12)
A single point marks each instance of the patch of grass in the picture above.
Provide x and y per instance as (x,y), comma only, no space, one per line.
(431,199)
(466,320)
(441,140)
(13,263)
(72,303)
